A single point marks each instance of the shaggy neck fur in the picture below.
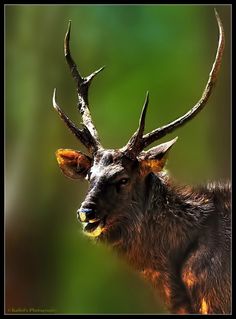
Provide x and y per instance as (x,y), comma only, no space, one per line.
(164,227)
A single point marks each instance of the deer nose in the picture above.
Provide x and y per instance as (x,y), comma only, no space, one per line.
(86,214)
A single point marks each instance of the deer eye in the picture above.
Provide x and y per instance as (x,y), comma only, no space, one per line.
(123,181)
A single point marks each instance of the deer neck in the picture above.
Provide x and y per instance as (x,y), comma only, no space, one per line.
(167,215)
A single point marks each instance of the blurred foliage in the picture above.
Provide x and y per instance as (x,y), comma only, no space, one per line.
(167,50)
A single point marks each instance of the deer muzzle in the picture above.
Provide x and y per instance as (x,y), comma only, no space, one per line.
(87,215)
(92,225)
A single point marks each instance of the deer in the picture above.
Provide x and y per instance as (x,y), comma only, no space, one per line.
(177,237)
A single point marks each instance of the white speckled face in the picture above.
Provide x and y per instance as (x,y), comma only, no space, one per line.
(113,178)
(105,166)
(109,178)
(98,172)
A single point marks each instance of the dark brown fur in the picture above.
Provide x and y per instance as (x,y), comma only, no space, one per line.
(176,237)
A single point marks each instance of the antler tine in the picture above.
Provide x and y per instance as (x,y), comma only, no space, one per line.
(166,129)
(83,135)
(82,85)
(134,145)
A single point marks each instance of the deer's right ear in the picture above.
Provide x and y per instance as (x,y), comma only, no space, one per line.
(73,164)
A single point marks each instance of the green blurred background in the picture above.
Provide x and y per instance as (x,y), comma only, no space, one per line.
(168,50)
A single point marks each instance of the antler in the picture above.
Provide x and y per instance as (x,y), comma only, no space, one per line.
(138,142)
(88,135)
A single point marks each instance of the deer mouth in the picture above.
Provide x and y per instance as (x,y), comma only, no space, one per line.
(94,227)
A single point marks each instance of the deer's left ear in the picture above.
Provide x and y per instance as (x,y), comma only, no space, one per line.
(73,164)
(154,159)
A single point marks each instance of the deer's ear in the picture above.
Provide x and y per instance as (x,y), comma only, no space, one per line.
(154,159)
(73,164)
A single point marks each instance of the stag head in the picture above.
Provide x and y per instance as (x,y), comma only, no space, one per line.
(118,178)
